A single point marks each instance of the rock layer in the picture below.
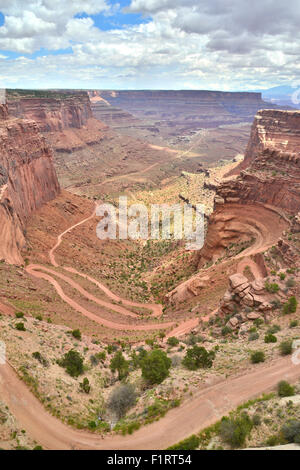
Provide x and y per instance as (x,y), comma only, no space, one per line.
(27,180)
(271,169)
(65,118)
(195,108)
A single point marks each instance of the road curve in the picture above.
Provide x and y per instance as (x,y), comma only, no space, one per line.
(41,272)
(207,406)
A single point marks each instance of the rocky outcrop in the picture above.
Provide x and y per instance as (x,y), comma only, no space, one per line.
(188,289)
(27,180)
(65,118)
(271,169)
(274,130)
(245,301)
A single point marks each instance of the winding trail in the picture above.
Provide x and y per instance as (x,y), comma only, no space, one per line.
(48,274)
(206,407)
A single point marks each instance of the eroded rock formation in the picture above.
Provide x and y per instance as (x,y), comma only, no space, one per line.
(27,180)
(271,169)
(65,118)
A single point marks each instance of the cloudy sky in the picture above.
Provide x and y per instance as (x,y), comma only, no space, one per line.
(160,44)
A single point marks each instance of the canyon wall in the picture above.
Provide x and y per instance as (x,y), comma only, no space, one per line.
(27,180)
(270,173)
(65,118)
(197,108)
(255,204)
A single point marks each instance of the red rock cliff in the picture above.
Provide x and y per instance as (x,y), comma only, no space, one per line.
(271,169)
(65,118)
(27,180)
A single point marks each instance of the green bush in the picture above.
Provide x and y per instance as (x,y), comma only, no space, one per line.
(226,331)
(37,355)
(197,357)
(282,276)
(155,366)
(85,385)
(72,362)
(191,443)
(256,420)
(273,288)
(119,364)
(269,338)
(258,322)
(294,323)
(291,431)
(284,389)
(290,306)
(234,431)
(20,327)
(76,334)
(19,315)
(273,329)
(286,347)
(257,356)
(173,341)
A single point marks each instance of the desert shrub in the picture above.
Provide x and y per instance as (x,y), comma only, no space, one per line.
(284,389)
(111,348)
(273,440)
(294,323)
(291,431)
(119,364)
(234,431)
(98,357)
(271,287)
(191,443)
(286,347)
(176,360)
(273,329)
(76,334)
(173,341)
(290,282)
(197,357)
(37,355)
(39,317)
(19,315)
(257,356)
(256,420)
(282,276)
(290,306)
(85,385)
(20,326)
(155,366)
(269,338)
(226,330)
(72,362)
(253,336)
(121,399)
(258,322)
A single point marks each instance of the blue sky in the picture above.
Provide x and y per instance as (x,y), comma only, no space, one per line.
(159,44)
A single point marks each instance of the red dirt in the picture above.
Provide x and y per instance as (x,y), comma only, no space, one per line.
(202,410)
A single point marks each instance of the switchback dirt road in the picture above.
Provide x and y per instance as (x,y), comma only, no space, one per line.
(198,412)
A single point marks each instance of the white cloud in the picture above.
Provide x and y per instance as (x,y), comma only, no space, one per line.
(225,44)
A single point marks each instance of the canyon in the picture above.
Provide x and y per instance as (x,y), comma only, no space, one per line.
(124,295)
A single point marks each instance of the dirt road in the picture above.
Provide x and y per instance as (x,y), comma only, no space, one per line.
(203,409)
(49,275)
